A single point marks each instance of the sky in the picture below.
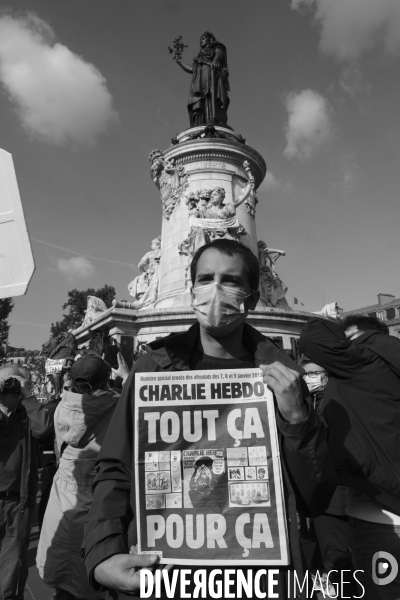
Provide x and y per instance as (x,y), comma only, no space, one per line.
(88,90)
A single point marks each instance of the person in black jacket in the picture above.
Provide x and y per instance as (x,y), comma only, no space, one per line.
(23,421)
(331,528)
(225,276)
(361,407)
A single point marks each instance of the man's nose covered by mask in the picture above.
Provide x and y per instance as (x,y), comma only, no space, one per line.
(219,309)
(315,383)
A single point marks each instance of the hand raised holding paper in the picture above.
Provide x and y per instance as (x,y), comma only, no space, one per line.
(286,385)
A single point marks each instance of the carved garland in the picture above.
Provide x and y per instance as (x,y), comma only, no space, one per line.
(170,179)
(252,200)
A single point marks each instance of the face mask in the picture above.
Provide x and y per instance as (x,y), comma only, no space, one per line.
(219,308)
(314,384)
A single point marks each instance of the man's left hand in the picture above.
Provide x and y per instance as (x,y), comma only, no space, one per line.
(286,385)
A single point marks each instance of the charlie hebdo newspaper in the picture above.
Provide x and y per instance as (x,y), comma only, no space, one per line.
(207,469)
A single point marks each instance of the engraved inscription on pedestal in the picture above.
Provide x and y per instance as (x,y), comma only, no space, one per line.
(211,164)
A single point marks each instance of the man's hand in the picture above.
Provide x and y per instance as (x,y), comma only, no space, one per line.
(123,369)
(25,386)
(121,571)
(286,385)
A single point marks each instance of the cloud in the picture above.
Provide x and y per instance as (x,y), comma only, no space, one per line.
(58,96)
(351,27)
(309,124)
(353,82)
(348,172)
(76,267)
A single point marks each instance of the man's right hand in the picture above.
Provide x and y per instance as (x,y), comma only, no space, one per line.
(121,571)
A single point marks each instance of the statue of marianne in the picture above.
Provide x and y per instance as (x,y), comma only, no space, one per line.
(208,95)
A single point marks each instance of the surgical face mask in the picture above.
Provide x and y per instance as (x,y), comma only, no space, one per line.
(219,308)
(315,383)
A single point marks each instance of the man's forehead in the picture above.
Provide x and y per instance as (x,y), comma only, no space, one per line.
(312,367)
(212,260)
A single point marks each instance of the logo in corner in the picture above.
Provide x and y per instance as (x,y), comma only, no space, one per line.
(384,568)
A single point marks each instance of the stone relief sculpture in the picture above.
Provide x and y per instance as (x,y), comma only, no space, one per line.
(208,95)
(252,199)
(272,288)
(95,306)
(331,310)
(144,288)
(171,180)
(210,217)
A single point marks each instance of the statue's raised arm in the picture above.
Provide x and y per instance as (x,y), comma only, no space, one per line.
(208,96)
(244,195)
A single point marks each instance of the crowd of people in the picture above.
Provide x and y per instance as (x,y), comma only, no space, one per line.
(338,421)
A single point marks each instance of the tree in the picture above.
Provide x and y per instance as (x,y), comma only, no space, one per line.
(77,302)
(6,306)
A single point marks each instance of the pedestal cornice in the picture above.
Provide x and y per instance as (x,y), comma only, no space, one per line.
(131,321)
(217,150)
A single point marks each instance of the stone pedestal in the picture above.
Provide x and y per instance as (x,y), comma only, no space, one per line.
(194,162)
(130,328)
(207,164)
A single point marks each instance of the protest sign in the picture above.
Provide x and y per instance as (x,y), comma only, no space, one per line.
(207,469)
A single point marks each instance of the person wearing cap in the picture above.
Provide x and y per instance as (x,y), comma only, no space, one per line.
(81,421)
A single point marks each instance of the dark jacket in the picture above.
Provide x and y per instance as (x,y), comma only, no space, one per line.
(309,475)
(19,435)
(361,406)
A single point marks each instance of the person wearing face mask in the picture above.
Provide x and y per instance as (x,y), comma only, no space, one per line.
(361,408)
(80,423)
(23,422)
(225,277)
(316,379)
(332,528)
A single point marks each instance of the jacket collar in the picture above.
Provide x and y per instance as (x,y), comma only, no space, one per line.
(177,349)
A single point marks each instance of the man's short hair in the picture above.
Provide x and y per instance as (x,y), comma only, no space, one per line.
(231,248)
(364,323)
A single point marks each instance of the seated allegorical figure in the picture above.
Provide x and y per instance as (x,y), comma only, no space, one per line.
(210,217)
(272,288)
(144,288)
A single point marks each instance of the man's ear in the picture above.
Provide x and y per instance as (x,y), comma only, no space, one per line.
(253,299)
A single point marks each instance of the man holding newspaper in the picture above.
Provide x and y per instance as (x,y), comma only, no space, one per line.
(186,446)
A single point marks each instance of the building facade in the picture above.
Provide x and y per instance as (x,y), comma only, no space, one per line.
(387,309)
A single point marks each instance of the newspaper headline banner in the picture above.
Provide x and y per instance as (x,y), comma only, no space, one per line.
(207,469)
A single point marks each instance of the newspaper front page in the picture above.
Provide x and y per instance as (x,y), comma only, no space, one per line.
(207,469)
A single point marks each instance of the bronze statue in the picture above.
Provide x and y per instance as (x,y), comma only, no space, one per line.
(208,95)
